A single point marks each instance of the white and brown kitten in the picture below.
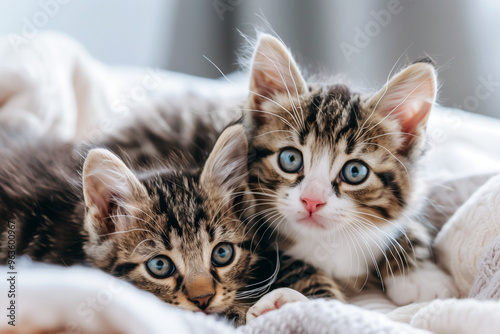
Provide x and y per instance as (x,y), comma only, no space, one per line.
(335,173)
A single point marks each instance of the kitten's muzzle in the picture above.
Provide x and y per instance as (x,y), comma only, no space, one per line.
(200,289)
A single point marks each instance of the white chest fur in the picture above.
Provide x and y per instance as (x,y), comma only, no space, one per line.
(345,255)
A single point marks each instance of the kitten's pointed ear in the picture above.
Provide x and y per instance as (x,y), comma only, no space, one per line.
(273,71)
(225,171)
(111,192)
(408,98)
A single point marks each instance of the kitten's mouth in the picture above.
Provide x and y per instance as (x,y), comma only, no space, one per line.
(312,221)
(216,309)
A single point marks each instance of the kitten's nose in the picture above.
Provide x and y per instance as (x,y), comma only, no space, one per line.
(312,205)
(202,301)
(200,289)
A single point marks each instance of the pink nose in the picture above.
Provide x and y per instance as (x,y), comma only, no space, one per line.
(312,205)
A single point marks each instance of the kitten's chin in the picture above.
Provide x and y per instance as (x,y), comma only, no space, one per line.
(220,307)
(216,309)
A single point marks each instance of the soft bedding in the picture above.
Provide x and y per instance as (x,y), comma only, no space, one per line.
(50,87)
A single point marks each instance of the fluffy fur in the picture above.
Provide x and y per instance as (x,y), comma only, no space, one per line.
(357,233)
(360,234)
(117,219)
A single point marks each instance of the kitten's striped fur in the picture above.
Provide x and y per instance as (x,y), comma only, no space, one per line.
(117,220)
(370,235)
(361,232)
(367,234)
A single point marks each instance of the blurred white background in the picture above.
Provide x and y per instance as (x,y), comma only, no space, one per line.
(361,39)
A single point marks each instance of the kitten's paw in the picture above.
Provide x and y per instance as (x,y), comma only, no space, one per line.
(273,301)
(425,283)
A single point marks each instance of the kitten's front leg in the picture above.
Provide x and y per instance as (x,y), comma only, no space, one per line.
(273,301)
(410,274)
(296,282)
(423,283)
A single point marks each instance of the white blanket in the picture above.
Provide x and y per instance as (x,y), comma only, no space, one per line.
(51,86)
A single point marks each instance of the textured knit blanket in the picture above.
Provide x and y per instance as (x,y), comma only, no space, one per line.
(50,85)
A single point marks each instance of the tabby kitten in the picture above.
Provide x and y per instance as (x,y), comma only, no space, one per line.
(334,172)
(177,233)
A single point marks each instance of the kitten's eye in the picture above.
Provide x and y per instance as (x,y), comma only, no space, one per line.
(222,254)
(354,172)
(290,160)
(160,266)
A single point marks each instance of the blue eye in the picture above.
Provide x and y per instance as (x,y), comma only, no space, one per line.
(354,172)
(290,160)
(222,254)
(160,266)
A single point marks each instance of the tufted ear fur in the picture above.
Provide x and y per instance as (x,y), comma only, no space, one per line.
(225,171)
(408,98)
(273,72)
(112,193)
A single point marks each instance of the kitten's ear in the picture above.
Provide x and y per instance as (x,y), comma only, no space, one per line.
(225,171)
(273,71)
(111,192)
(408,98)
